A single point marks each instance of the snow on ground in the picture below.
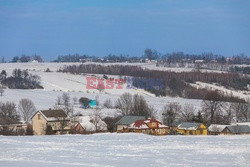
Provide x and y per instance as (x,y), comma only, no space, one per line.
(240,94)
(126,150)
(44,99)
(55,84)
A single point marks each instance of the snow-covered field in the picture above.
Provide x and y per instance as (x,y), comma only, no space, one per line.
(55,84)
(124,150)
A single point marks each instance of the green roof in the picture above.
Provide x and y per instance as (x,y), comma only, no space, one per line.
(127,120)
(189,125)
(236,129)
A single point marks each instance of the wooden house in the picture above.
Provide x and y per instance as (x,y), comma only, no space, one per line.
(149,126)
(85,125)
(123,124)
(56,119)
(216,129)
(236,130)
(192,128)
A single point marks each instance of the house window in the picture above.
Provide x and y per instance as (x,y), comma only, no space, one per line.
(39,116)
(153,124)
(163,130)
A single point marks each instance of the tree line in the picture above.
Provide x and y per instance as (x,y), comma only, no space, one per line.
(152,54)
(213,111)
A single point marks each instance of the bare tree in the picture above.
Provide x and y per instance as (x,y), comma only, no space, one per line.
(75,100)
(242,111)
(170,113)
(108,103)
(124,103)
(96,118)
(64,122)
(140,106)
(134,105)
(65,99)
(58,100)
(187,112)
(63,102)
(212,106)
(8,113)
(228,113)
(1,90)
(27,108)
(151,112)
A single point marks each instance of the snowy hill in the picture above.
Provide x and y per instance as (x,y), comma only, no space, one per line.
(55,84)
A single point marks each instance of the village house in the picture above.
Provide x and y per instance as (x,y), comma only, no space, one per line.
(216,129)
(236,130)
(192,128)
(123,124)
(56,119)
(85,125)
(148,126)
(19,128)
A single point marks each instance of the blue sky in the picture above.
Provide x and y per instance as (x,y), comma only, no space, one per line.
(99,27)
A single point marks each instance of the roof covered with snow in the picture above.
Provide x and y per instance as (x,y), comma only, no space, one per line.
(86,123)
(189,125)
(216,128)
(143,124)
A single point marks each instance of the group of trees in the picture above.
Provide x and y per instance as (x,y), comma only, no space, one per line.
(213,110)
(243,70)
(11,114)
(174,83)
(134,105)
(26,58)
(20,79)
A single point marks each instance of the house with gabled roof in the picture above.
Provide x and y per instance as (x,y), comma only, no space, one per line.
(85,125)
(192,128)
(123,124)
(148,126)
(236,129)
(216,129)
(57,120)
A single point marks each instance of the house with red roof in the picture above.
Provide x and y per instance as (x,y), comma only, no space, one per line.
(149,126)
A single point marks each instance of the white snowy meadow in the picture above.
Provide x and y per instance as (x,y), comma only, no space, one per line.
(124,150)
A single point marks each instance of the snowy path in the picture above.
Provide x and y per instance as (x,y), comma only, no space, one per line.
(125,150)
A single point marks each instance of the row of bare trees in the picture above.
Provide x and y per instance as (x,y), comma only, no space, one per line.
(10,113)
(213,110)
(170,78)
